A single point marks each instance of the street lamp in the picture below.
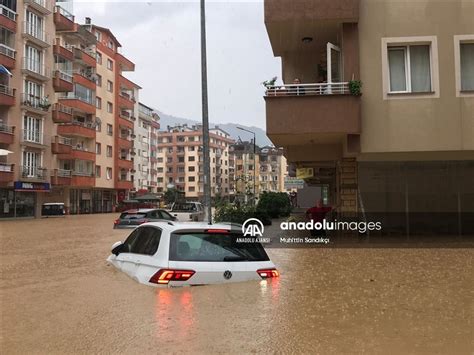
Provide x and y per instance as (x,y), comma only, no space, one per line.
(254,161)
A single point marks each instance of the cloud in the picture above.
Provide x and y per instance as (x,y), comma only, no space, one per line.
(163,39)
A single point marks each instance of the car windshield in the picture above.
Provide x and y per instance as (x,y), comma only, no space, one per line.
(184,207)
(132,215)
(203,246)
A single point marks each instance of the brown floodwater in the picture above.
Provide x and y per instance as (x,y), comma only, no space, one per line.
(58,295)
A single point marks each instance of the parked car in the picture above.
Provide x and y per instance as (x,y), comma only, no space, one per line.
(179,254)
(133,218)
(188,211)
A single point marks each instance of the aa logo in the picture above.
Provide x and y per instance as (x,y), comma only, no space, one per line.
(252,227)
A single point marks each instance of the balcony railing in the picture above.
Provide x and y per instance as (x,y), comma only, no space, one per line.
(6,168)
(44,6)
(34,31)
(64,13)
(36,102)
(32,136)
(6,90)
(8,51)
(74,96)
(6,129)
(33,172)
(9,13)
(308,89)
(35,66)
(82,173)
(63,140)
(64,173)
(66,76)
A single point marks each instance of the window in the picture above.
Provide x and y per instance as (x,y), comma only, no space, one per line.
(110,64)
(410,66)
(98,148)
(191,189)
(109,151)
(97,171)
(99,58)
(98,36)
(110,130)
(110,107)
(110,86)
(191,168)
(190,158)
(84,94)
(98,124)
(110,44)
(143,240)
(109,173)
(191,178)
(98,102)
(467,66)
(32,129)
(98,81)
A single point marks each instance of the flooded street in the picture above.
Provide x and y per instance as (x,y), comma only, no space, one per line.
(58,295)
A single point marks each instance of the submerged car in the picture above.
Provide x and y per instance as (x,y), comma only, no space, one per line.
(132,218)
(181,254)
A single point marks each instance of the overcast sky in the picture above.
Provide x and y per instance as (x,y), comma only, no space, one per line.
(163,39)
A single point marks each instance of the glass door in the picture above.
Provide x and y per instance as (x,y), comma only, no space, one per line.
(334,64)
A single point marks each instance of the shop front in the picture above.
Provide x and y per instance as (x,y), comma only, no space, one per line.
(24,200)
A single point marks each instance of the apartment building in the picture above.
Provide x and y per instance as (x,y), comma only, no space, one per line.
(145,162)
(63,125)
(405,147)
(272,169)
(180,160)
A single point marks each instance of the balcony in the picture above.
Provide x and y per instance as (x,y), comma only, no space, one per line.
(35,34)
(82,179)
(63,20)
(61,177)
(8,18)
(6,173)
(126,83)
(77,129)
(35,69)
(86,80)
(36,104)
(87,58)
(63,52)
(125,164)
(78,154)
(309,113)
(33,173)
(125,121)
(125,101)
(62,114)
(61,145)
(124,63)
(7,56)
(78,103)
(124,184)
(7,96)
(43,6)
(7,134)
(125,143)
(62,82)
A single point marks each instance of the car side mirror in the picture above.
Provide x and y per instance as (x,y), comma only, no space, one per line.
(117,248)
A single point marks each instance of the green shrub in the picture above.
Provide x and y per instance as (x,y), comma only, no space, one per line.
(239,214)
(275,204)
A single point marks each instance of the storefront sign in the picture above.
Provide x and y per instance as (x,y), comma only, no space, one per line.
(293,183)
(32,186)
(304,173)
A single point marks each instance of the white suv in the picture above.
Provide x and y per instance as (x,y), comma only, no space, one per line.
(179,254)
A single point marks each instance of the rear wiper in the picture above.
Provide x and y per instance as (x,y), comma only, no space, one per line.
(235,258)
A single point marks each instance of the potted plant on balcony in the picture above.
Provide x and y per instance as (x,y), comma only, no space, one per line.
(355,87)
(44,103)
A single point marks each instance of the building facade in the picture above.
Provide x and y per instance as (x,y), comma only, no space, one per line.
(180,161)
(64,123)
(406,145)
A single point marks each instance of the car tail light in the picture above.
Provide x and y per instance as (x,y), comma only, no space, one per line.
(268,273)
(164,276)
(217,231)
(117,221)
(144,221)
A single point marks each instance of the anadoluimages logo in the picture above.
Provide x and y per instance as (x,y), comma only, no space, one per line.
(252,227)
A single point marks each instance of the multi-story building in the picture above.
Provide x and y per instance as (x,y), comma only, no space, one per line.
(180,161)
(406,145)
(272,169)
(64,121)
(145,165)
(246,168)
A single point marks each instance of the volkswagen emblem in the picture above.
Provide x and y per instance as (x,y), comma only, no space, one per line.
(227,274)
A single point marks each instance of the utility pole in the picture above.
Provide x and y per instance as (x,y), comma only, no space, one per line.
(205,118)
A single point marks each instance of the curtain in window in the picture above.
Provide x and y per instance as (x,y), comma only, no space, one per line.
(420,68)
(396,60)
(467,66)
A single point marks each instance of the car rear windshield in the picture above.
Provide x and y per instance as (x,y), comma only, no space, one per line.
(214,247)
(187,207)
(132,215)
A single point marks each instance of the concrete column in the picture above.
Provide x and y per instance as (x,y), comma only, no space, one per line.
(348,187)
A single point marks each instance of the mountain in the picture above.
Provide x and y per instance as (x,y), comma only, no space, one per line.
(231,128)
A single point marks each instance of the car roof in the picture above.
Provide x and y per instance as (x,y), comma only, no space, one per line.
(143,210)
(173,226)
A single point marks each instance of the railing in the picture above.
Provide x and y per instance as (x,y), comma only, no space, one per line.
(7,12)
(6,129)
(7,168)
(6,90)
(63,173)
(64,13)
(308,89)
(63,140)
(90,125)
(8,51)
(32,136)
(74,96)
(82,173)
(125,114)
(43,3)
(87,74)
(40,103)
(36,32)
(28,171)
(35,66)
(62,108)
(64,75)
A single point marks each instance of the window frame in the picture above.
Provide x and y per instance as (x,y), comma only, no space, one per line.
(458,40)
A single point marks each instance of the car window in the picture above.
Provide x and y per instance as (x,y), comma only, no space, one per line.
(127,248)
(147,241)
(214,247)
(166,215)
(126,215)
(154,214)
